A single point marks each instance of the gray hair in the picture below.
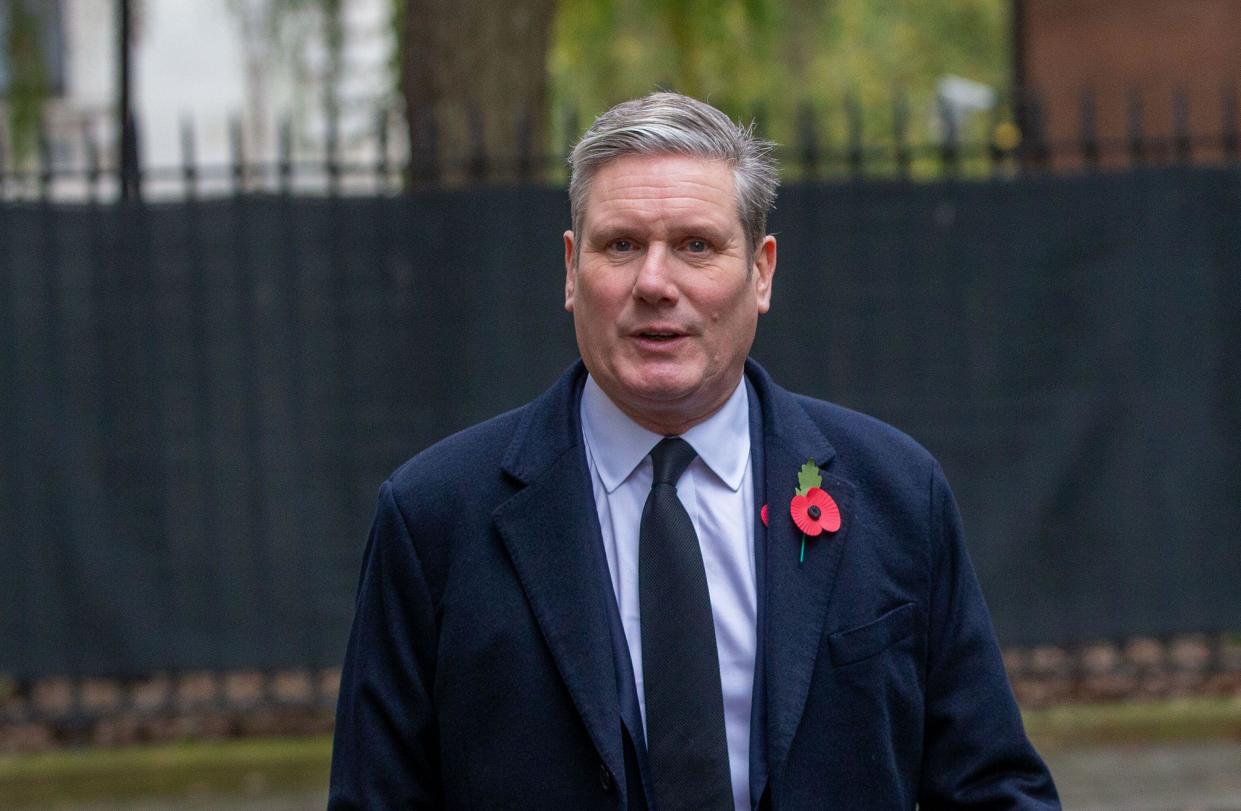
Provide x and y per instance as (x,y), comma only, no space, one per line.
(673,124)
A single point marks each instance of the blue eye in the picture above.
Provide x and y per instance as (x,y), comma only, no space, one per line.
(622,245)
(696,246)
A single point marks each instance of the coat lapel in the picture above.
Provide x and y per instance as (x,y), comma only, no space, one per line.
(796,594)
(551,530)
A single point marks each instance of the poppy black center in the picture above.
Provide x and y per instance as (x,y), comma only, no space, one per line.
(814,512)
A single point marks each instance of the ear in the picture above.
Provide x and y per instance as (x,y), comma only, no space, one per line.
(764,270)
(568,271)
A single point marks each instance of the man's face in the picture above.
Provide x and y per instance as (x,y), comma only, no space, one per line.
(664,292)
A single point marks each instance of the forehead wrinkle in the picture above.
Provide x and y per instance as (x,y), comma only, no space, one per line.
(627,198)
(667,218)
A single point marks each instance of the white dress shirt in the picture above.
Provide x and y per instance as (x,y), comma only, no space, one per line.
(718,493)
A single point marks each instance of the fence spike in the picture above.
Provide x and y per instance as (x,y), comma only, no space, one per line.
(284,157)
(381,147)
(46,169)
(1232,138)
(189,163)
(1180,124)
(331,146)
(814,148)
(1136,127)
(995,122)
(1089,129)
(4,151)
(900,131)
(948,152)
(1025,129)
(571,133)
(477,168)
(853,116)
(90,153)
(237,154)
(525,144)
(424,152)
(808,137)
(129,167)
(1033,149)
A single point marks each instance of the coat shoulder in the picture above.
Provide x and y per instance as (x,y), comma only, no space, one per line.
(475,465)
(464,464)
(444,495)
(869,446)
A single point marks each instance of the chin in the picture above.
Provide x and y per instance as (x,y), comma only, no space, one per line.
(660,386)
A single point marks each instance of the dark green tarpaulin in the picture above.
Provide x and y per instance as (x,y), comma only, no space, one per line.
(199,400)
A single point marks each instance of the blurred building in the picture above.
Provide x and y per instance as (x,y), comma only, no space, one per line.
(43,25)
(1129,79)
(206,66)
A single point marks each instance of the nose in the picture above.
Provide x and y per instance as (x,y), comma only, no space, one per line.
(654,283)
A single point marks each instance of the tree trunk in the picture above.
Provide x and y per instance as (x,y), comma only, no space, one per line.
(474,78)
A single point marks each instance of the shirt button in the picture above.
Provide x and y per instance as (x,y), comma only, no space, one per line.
(606,780)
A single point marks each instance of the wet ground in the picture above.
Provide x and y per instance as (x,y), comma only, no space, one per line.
(1183,777)
(1150,778)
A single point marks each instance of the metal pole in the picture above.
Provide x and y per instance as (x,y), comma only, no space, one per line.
(128,163)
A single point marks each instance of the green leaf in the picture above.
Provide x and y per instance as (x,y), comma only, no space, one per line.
(808,477)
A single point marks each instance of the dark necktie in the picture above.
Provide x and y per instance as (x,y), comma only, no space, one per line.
(687,748)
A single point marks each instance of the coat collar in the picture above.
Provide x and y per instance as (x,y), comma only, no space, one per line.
(795,595)
(550,426)
(551,530)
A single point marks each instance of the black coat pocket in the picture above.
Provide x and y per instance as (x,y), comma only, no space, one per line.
(874,637)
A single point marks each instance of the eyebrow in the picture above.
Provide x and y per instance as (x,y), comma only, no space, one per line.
(702,228)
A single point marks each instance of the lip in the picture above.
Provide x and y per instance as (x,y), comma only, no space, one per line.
(669,329)
(638,336)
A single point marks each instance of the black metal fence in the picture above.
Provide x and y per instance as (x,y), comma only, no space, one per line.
(1016,136)
(199,398)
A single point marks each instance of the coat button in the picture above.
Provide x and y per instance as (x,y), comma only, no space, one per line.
(606,780)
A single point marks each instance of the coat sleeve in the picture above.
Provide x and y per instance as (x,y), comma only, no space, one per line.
(385,750)
(976,754)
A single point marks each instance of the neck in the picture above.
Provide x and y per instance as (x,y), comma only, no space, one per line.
(668,427)
(673,422)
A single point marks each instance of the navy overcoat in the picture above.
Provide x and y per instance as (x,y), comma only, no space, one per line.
(483,666)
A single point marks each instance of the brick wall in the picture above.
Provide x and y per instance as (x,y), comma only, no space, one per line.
(162,708)
(1126,50)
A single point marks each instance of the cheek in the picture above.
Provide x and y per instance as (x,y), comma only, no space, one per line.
(603,293)
(729,312)
(597,313)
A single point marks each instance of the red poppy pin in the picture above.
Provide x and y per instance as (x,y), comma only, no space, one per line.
(814,511)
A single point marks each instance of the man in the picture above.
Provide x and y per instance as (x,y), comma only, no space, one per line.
(668,582)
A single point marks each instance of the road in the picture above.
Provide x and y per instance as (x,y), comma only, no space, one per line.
(1182,777)
(1200,776)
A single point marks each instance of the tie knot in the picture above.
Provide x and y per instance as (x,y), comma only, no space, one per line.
(670,458)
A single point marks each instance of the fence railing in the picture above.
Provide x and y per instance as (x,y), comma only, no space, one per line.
(849,141)
(200,399)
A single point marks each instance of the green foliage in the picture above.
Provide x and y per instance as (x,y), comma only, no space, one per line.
(605,51)
(771,58)
(275,35)
(254,773)
(1132,723)
(808,477)
(28,79)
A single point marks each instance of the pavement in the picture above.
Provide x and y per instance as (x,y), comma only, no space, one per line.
(1164,777)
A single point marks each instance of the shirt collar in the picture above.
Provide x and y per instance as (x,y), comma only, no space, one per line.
(618,444)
